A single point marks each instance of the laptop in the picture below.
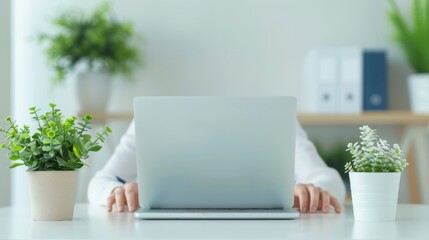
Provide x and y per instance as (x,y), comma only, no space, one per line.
(215,157)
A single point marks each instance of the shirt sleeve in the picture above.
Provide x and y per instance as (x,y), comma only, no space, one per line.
(121,164)
(310,168)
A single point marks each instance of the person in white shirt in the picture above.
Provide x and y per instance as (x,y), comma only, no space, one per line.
(317,186)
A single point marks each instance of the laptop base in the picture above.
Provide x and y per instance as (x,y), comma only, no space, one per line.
(258,214)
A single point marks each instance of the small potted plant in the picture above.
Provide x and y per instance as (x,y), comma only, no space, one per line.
(375,171)
(95,46)
(52,154)
(412,37)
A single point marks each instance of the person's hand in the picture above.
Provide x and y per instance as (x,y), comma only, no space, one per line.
(124,196)
(309,198)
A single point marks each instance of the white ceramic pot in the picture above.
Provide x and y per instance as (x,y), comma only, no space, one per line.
(52,194)
(374,195)
(93,90)
(418,86)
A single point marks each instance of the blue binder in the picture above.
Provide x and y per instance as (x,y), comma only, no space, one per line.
(374,80)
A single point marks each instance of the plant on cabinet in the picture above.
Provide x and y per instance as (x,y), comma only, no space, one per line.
(412,37)
(52,154)
(375,171)
(96,47)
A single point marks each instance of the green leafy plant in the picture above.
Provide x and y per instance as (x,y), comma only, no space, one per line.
(335,157)
(58,143)
(373,154)
(413,39)
(98,41)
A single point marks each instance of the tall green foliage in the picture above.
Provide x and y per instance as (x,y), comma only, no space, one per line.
(98,41)
(413,38)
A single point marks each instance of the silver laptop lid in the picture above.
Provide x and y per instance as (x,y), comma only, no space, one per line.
(215,152)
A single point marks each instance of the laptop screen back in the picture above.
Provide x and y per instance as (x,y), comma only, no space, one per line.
(215,152)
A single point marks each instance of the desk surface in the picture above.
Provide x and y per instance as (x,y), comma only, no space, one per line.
(91,222)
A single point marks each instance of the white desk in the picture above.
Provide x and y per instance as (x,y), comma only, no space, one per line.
(91,222)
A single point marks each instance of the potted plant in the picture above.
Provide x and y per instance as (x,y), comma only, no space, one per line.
(96,46)
(413,39)
(375,171)
(52,154)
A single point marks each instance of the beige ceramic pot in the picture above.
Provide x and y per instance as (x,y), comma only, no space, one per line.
(52,194)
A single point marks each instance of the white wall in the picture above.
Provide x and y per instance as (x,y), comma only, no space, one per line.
(5,59)
(299,26)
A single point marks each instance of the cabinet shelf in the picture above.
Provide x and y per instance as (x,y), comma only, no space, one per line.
(379,117)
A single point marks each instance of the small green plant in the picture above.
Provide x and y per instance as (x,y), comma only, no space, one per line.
(335,158)
(373,154)
(58,143)
(98,41)
(413,39)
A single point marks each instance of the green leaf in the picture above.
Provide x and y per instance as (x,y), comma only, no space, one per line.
(36,136)
(17,148)
(76,150)
(88,117)
(47,141)
(57,147)
(45,158)
(74,165)
(46,148)
(59,138)
(86,137)
(25,135)
(51,134)
(14,157)
(33,166)
(51,153)
(16,164)
(94,148)
(61,151)
(108,129)
(61,161)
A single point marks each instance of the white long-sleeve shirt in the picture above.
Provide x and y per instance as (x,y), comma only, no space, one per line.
(309,168)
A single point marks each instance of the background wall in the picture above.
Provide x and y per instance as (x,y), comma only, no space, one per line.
(5,100)
(302,24)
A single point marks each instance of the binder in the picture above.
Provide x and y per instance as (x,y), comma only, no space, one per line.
(321,85)
(350,79)
(374,80)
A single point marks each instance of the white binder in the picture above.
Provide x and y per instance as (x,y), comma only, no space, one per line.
(333,81)
(321,86)
(350,79)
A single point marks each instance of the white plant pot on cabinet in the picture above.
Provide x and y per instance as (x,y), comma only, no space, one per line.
(52,194)
(374,195)
(418,86)
(93,90)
